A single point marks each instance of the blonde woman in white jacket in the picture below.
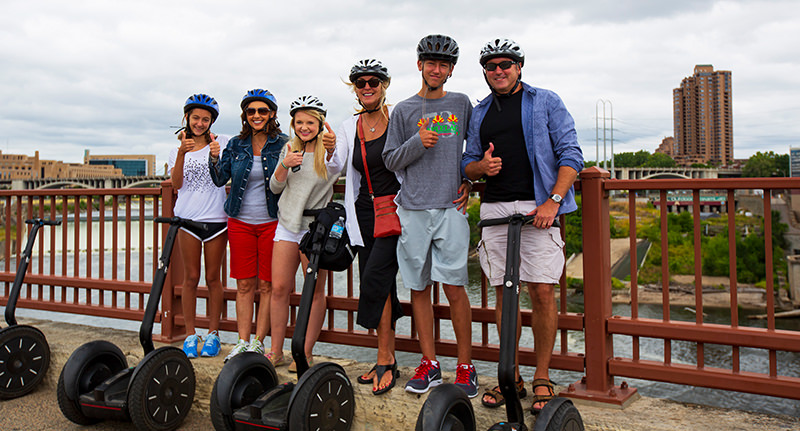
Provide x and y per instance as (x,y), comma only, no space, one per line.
(378,306)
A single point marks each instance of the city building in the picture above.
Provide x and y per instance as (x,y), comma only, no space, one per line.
(703,117)
(667,146)
(23,167)
(132,165)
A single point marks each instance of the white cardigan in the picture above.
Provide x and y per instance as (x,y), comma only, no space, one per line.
(345,143)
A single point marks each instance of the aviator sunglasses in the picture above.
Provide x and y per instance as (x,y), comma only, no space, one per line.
(505,65)
(373,83)
(261,111)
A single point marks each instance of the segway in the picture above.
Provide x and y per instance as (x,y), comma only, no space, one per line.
(24,352)
(96,383)
(448,408)
(247,396)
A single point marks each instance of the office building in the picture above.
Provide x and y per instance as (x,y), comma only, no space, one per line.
(703,117)
(132,165)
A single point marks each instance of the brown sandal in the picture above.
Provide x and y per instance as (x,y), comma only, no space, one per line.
(541,398)
(497,395)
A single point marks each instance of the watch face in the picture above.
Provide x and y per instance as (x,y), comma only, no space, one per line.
(556,198)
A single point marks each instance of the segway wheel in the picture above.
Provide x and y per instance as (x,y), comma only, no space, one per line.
(323,400)
(87,367)
(24,359)
(559,414)
(447,409)
(243,379)
(162,390)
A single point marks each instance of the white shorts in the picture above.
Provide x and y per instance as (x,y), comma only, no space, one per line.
(541,250)
(283,234)
(433,247)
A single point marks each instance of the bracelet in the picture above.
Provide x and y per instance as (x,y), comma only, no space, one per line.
(284,166)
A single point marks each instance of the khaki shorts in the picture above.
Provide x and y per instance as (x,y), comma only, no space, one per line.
(541,250)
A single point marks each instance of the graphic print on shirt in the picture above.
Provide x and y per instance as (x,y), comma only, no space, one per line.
(195,175)
(444,123)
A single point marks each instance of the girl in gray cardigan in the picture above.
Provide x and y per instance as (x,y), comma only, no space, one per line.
(304,178)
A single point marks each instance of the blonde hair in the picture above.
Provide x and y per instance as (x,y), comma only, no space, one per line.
(319,148)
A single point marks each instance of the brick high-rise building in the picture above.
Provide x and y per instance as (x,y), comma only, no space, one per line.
(703,117)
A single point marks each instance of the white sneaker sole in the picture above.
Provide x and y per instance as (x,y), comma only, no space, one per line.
(432,384)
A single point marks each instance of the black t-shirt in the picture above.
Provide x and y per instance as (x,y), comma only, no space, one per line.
(504,129)
(384,182)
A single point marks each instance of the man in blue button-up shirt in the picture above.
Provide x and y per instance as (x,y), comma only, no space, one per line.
(522,141)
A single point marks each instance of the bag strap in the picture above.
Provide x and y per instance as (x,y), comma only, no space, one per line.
(364,156)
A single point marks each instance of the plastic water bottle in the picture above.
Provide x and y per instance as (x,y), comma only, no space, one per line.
(335,235)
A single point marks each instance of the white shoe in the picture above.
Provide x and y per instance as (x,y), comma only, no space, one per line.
(240,347)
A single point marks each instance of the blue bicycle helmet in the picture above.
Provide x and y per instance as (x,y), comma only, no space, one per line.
(262,95)
(203,101)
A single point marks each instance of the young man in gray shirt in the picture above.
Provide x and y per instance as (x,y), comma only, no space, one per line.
(424,146)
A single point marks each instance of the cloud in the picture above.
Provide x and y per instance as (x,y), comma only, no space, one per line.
(112,77)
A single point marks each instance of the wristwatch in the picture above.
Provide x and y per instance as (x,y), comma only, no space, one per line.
(555,197)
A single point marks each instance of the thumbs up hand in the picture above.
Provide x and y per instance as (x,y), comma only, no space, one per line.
(429,137)
(491,165)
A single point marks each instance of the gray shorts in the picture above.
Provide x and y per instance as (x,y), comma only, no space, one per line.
(541,250)
(433,247)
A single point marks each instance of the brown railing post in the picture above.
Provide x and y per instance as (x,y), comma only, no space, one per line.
(598,384)
(170,302)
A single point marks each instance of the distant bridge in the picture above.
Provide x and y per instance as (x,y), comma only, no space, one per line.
(642,173)
(85,183)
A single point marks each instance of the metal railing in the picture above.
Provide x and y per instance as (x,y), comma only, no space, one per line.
(87,268)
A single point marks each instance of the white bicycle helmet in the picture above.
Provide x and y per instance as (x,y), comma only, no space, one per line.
(502,48)
(307,102)
(369,66)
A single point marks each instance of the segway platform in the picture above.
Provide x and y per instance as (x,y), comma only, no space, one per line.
(97,384)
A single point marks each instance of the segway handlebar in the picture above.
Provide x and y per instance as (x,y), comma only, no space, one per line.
(181,222)
(506,220)
(42,221)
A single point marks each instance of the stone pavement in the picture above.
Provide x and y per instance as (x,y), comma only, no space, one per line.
(396,410)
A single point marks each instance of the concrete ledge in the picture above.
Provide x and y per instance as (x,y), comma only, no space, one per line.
(396,410)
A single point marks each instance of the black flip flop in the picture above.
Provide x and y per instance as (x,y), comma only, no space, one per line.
(364,381)
(380,370)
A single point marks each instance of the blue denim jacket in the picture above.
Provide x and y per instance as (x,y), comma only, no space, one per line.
(550,138)
(235,165)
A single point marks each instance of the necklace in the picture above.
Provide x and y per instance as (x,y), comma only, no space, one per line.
(373,126)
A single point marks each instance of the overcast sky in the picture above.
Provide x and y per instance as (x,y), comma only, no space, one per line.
(112,77)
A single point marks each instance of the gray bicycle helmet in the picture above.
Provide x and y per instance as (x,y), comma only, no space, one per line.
(369,66)
(307,102)
(437,47)
(502,48)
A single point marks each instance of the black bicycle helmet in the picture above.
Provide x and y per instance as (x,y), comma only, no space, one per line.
(262,95)
(307,102)
(437,47)
(203,101)
(369,66)
(502,48)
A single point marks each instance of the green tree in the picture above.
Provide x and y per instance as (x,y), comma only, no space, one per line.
(767,164)
(660,160)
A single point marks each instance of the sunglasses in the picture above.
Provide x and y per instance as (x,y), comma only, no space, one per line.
(261,111)
(373,82)
(505,65)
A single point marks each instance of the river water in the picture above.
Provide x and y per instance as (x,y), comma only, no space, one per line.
(683,352)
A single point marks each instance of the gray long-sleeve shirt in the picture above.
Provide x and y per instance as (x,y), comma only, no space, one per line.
(430,177)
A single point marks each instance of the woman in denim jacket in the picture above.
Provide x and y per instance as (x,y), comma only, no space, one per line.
(249,160)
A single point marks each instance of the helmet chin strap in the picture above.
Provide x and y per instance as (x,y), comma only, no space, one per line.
(496,95)
(430,88)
